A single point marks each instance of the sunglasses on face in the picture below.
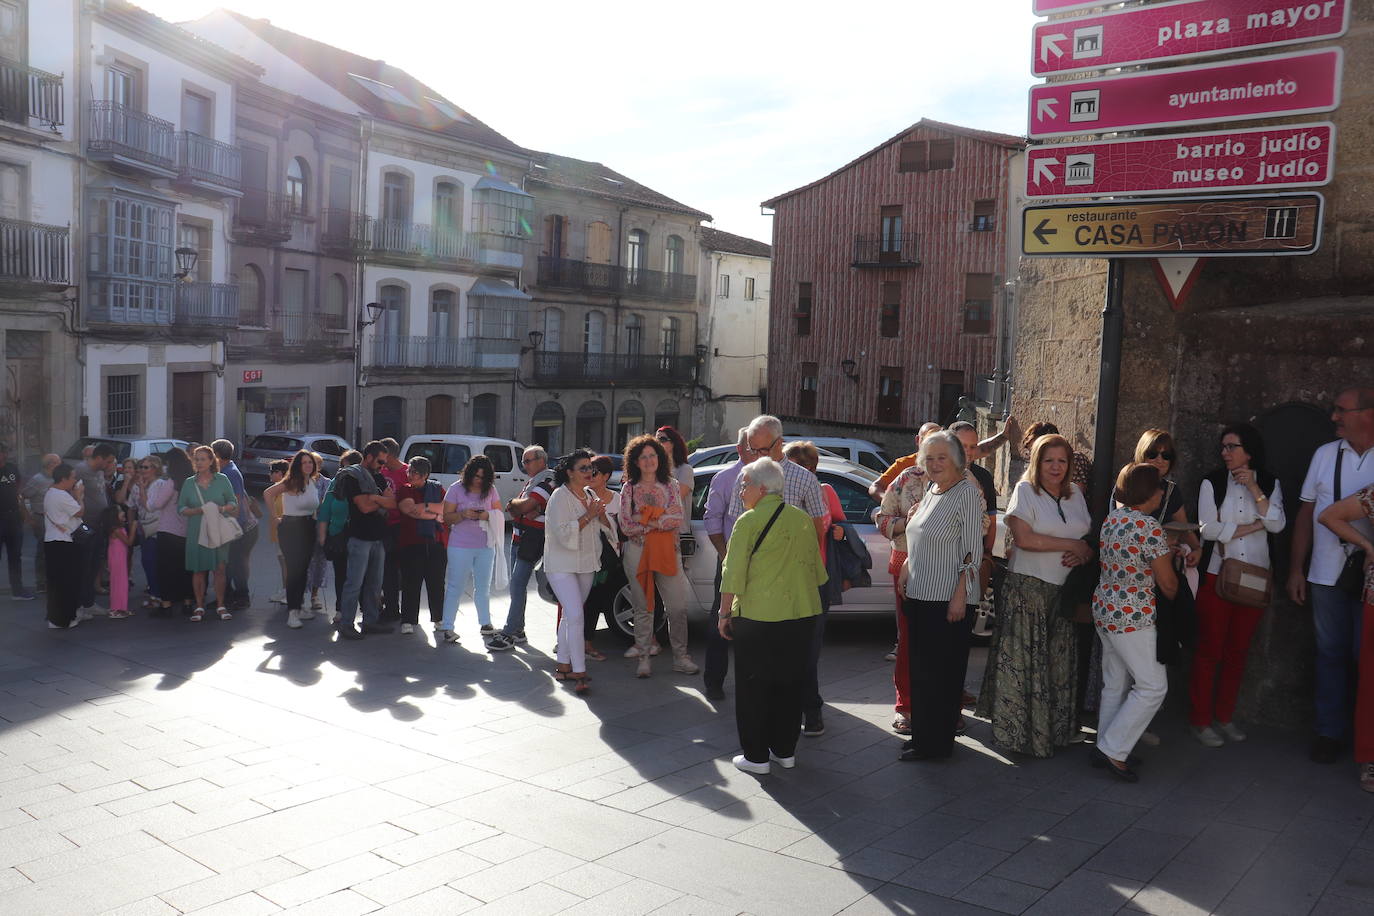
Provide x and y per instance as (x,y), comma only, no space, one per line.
(584,469)
(1152,454)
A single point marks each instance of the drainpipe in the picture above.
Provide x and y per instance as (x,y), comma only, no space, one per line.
(1108,383)
(364,138)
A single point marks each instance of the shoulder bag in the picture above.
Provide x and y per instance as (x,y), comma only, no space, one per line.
(1351,579)
(216,529)
(764,533)
(1243,583)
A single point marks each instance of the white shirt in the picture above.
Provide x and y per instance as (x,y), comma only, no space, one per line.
(59,510)
(1358,472)
(302,504)
(569,548)
(1039,511)
(1238,508)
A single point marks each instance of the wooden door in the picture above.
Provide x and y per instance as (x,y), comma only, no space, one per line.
(439,414)
(336,410)
(188,406)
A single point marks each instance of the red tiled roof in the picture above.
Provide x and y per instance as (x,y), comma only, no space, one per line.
(583,177)
(333,66)
(982,136)
(719,240)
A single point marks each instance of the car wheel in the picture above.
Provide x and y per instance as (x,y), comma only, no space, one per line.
(623,615)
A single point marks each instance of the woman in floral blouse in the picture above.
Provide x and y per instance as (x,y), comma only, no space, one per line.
(1135,559)
(1359,507)
(650,516)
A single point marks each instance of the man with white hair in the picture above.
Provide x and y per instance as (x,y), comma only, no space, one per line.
(527,544)
(763,439)
(720,521)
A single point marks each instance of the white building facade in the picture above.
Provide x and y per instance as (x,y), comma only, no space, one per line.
(734,288)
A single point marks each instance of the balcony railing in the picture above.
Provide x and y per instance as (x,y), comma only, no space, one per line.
(344,232)
(120,132)
(390,351)
(886,251)
(28,95)
(563,273)
(599,368)
(206,305)
(262,216)
(416,240)
(207,161)
(33,253)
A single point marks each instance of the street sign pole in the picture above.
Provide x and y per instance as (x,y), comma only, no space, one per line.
(1108,387)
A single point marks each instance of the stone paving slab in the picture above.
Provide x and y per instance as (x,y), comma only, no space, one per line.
(158,767)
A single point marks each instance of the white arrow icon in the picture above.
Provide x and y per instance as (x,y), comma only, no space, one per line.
(1050,43)
(1044,108)
(1042,169)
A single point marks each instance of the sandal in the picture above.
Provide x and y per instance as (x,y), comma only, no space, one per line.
(566,674)
(580,684)
(901,725)
(120,615)
(223,613)
(197,615)
(595,655)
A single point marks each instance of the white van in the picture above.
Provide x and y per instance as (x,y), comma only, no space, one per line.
(448,453)
(859,451)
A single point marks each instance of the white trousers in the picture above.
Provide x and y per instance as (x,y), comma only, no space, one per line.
(572,590)
(1134,684)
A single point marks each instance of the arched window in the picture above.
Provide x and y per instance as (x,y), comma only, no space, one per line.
(335,314)
(252,308)
(594,332)
(672,255)
(553,330)
(629,422)
(438,414)
(548,427)
(443,314)
(485,409)
(297,183)
(598,242)
(667,413)
(388,341)
(591,426)
(388,418)
(448,220)
(636,249)
(669,331)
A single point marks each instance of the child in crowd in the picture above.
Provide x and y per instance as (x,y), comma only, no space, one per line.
(122,525)
(276,472)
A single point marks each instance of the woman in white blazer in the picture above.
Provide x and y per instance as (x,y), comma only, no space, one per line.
(573,522)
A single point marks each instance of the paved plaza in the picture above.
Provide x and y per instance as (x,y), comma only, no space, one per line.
(156,767)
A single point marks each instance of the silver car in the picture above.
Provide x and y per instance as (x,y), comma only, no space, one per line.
(267,447)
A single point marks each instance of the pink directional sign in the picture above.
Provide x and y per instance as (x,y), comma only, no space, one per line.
(1256,158)
(1256,87)
(1190,28)
(1045,7)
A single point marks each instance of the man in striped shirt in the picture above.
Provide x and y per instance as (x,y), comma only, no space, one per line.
(763,439)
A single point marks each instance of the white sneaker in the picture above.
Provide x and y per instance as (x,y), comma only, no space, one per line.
(304,614)
(1149,739)
(293,619)
(1207,736)
(632,652)
(891,656)
(279,598)
(407,629)
(316,604)
(1230,731)
(786,763)
(748,766)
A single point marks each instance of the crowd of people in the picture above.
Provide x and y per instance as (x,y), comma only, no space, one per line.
(1094,603)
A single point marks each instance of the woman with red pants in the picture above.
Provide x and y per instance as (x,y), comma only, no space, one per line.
(1358,508)
(1239,506)
(900,499)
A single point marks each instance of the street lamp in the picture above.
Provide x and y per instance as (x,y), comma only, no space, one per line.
(535,338)
(850,369)
(374,310)
(186,262)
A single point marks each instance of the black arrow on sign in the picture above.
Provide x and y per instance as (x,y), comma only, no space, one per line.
(1040,231)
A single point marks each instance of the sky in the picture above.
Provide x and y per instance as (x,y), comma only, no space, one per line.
(719,105)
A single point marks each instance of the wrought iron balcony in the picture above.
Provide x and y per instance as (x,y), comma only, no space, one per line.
(208,164)
(886,251)
(555,368)
(309,331)
(206,305)
(344,232)
(983,223)
(120,134)
(416,241)
(393,351)
(31,253)
(262,218)
(29,95)
(563,273)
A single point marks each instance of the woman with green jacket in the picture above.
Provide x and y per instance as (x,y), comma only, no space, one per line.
(769,605)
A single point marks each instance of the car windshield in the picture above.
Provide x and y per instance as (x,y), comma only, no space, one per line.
(875,462)
(444,457)
(277,444)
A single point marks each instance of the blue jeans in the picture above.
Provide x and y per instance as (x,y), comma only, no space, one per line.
(520,575)
(463,562)
(362,582)
(1336,617)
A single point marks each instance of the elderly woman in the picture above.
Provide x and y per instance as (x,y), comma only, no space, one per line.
(944,539)
(769,604)
(1135,560)
(61,516)
(207,487)
(573,523)
(1029,685)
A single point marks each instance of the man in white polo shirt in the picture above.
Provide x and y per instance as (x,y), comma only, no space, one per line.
(1346,465)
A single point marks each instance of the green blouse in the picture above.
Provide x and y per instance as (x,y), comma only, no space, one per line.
(220,491)
(780,581)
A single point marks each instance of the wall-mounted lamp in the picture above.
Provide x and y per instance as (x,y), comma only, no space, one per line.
(535,338)
(850,369)
(702,350)
(186,262)
(374,311)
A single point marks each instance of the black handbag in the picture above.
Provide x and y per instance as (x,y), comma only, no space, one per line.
(336,546)
(82,534)
(1351,578)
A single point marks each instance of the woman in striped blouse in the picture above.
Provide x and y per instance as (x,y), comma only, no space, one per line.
(944,547)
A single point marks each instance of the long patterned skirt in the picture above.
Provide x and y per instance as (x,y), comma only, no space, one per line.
(1029,687)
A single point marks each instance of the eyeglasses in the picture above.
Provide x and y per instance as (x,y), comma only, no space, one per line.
(1338,409)
(528,460)
(766,449)
(145,467)
(584,469)
(1152,454)
(1230,446)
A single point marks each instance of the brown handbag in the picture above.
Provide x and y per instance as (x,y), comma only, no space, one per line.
(1243,583)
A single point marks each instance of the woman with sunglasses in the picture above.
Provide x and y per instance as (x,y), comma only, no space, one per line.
(467,504)
(610,579)
(1156,448)
(676,447)
(573,523)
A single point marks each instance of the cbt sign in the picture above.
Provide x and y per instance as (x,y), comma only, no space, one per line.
(1256,158)
(1189,28)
